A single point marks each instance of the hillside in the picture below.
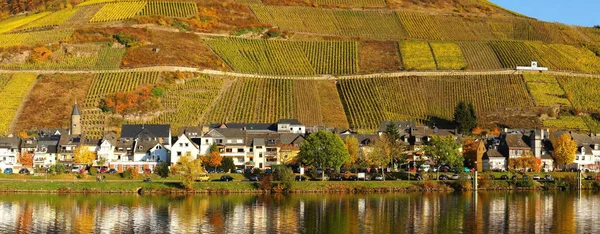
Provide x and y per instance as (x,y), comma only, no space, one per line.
(339,63)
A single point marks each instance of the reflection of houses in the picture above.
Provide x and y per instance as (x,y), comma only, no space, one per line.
(253,145)
(9,151)
(139,147)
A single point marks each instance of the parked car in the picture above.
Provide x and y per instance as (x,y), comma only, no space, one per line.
(337,177)
(254,178)
(547,177)
(8,170)
(103,170)
(536,177)
(514,177)
(268,171)
(454,177)
(443,177)
(379,177)
(24,171)
(239,171)
(76,168)
(589,178)
(300,178)
(418,176)
(352,177)
(504,177)
(112,171)
(202,177)
(226,178)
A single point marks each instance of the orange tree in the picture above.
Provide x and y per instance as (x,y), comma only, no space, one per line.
(26,159)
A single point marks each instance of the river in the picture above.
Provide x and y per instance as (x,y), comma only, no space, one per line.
(484,212)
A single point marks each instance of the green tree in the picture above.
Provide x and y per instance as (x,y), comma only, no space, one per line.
(465,117)
(163,170)
(381,153)
(286,176)
(324,149)
(351,144)
(444,150)
(564,150)
(227,164)
(391,131)
(214,148)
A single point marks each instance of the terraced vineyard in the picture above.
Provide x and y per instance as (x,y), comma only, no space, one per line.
(479,55)
(448,56)
(567,122)
(18,21)
(171,9)
(54,19)
(545,90)
(416,22)
(33,38)
(287,57)
(583,92)
(353,3)
(109,58)
(514,53)
(11,97)
(110,82)
(268,100)
(118,11)
(416,55)
(424,99)
(186,104)
(13,39)
(369,24)
(300,19)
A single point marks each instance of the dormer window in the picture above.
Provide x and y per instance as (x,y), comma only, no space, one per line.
(140,147)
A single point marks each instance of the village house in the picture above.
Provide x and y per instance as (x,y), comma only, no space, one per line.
(587,156)
(9,152)
(492,159)
(182,147)
(141,147)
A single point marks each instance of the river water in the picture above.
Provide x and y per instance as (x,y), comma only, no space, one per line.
(483,212)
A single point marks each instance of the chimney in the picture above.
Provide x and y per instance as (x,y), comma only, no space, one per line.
(596,146)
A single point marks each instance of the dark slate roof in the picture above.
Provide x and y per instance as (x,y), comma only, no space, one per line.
(145,145)
(192,131)
(401,125)
(75,110)
(25,143)
(289,121)
(10,142)
(133,130)
(492,153)
(231,132)
(111,138)
(516,140)
(267,127)
(290,138)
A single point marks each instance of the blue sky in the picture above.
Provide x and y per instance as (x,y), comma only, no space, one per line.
(576,12)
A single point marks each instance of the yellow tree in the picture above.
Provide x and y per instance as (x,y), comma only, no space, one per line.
(214,159)
(352,146)
(189,169)
(26,159)
(82,155)
(564,149)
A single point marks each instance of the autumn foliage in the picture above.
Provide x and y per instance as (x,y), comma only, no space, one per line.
(26,159)
(136,102)
(214,159)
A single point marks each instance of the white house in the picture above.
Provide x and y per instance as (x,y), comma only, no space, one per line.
(9,151)
(183,146)
(494,160)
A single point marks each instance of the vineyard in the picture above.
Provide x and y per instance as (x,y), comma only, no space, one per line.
(18,21)
(33,38)
(514,53)
(51,20)
(185,104)
(416,55)
(425,99)
(171,9)
(109,58)
(111,82)
(414,23)
(448,56)
(479,55)
(583,92)
(11,98)
(361,24)
(118,11)
(567,122)
(545,90)
(353,3)
(268,100)
(287,57)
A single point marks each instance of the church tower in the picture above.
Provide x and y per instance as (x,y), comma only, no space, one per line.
(75,121)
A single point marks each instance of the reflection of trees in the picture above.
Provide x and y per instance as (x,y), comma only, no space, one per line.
(563,219)
(84,220)
(24,224)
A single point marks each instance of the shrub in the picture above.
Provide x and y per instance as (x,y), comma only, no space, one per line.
(265,183)
(93,171)
(286,176)
(227,164)
(525,184)
(125,40)
(163,170)
(130,173)
(58,168)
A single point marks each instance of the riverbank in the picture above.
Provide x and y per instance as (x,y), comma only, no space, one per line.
(173,187)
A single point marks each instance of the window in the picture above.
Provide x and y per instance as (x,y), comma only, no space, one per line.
(239,141)
(577,158)
(228,150)
(260,155)
(259,147)
(206,141)
(178,153)
(583,158)
(240,150)
(228,141)
(187,144)
(180,144)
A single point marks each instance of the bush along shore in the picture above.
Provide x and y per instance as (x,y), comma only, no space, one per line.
(266,186)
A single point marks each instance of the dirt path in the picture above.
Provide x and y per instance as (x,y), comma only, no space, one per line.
(316,77)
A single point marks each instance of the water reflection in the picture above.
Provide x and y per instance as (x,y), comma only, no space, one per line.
(484,212)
